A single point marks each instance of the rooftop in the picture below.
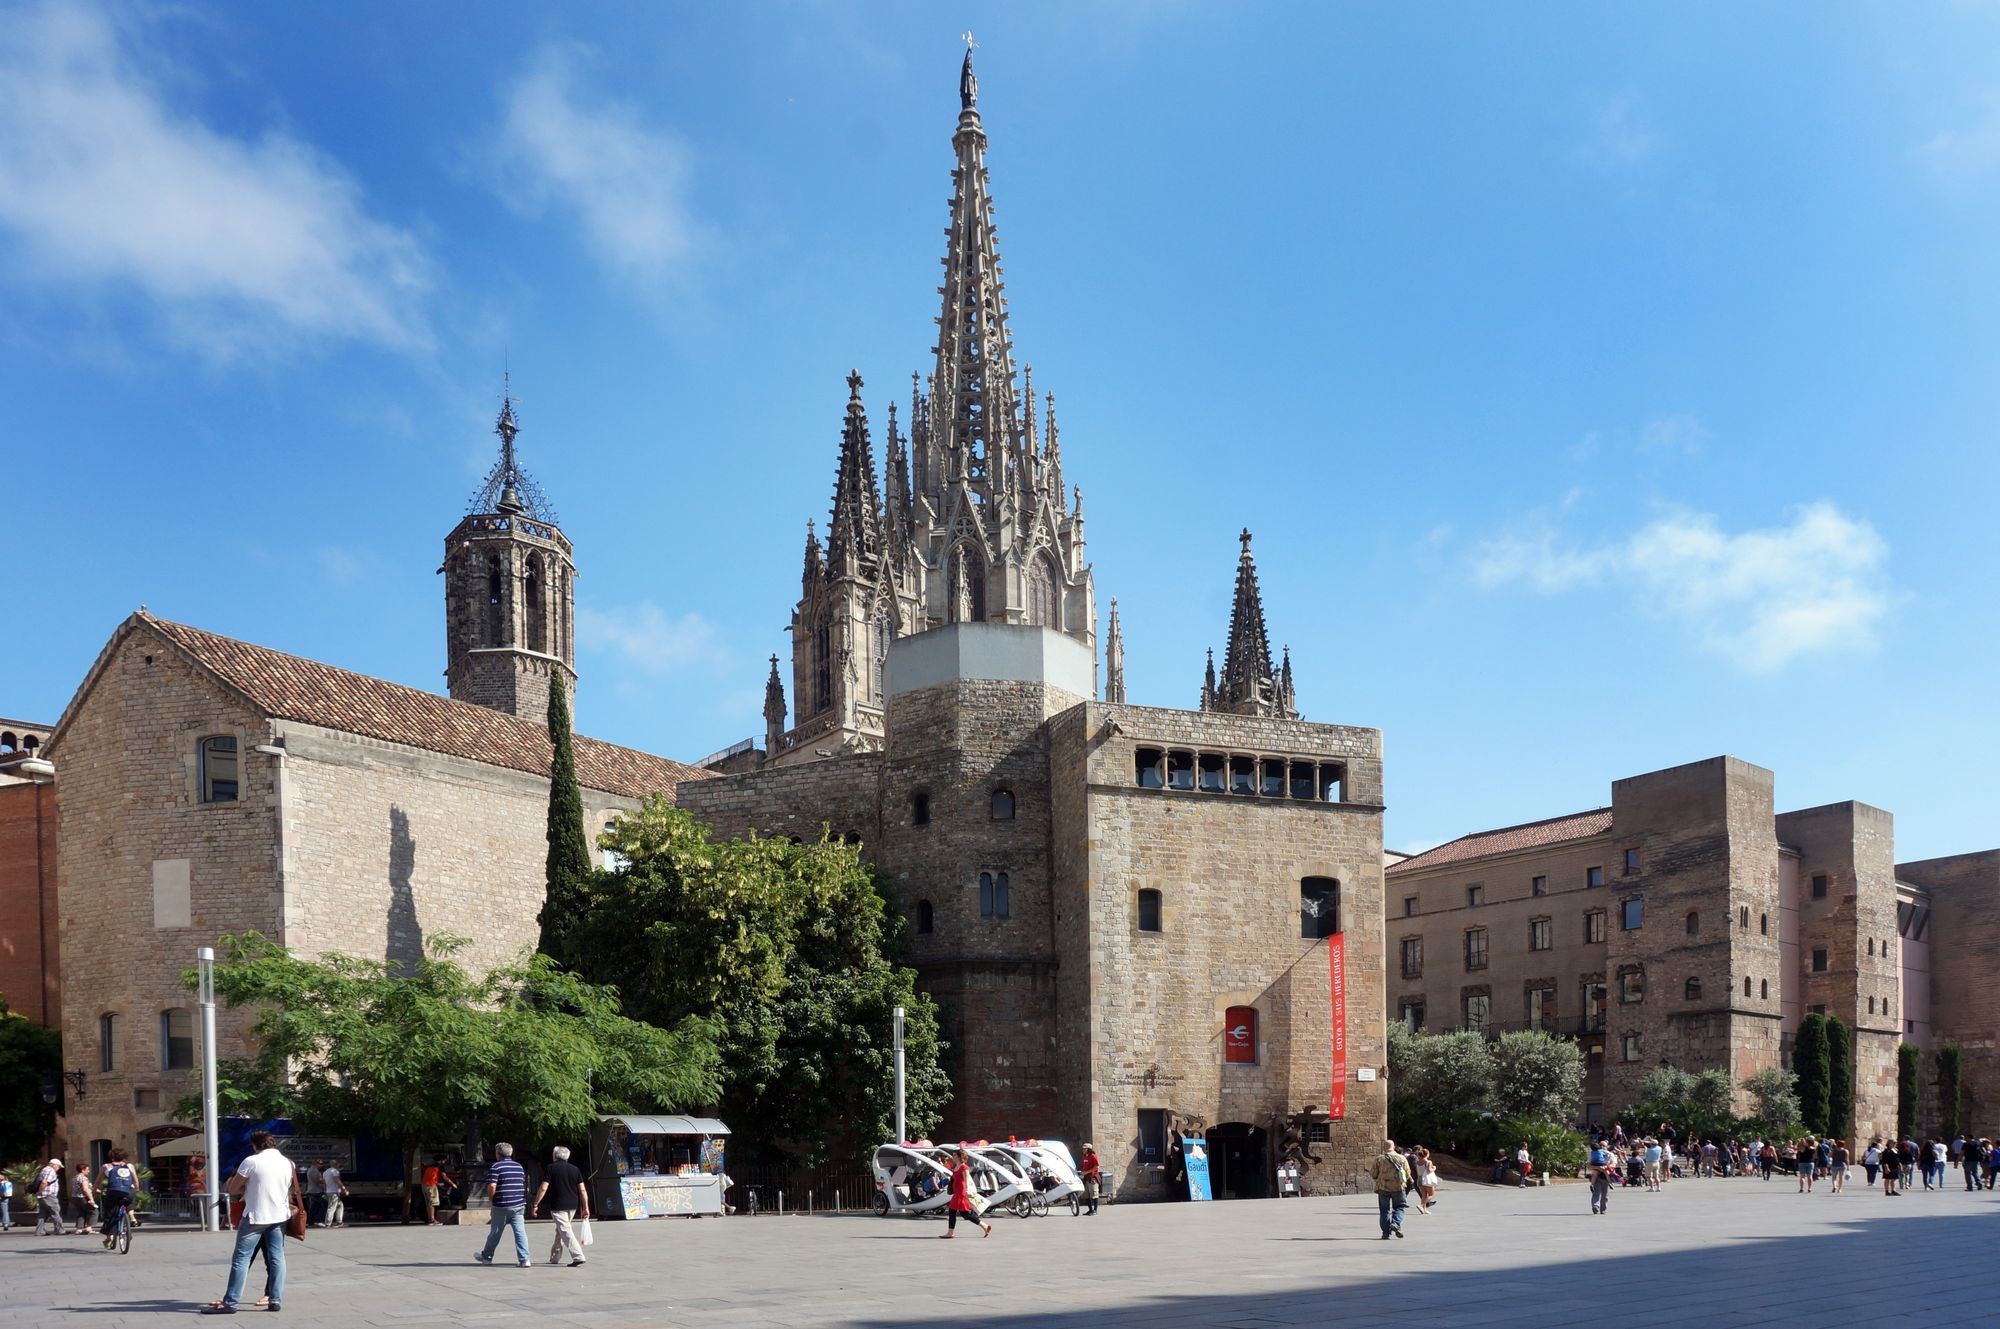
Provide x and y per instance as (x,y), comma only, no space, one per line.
(1509,840)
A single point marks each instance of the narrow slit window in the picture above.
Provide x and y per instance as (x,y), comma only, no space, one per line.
(926,917)
(1149,911)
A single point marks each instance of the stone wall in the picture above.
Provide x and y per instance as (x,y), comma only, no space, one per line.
(1965,975)
(30,935)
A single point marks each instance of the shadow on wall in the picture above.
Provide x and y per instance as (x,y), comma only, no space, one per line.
(404,945)
(1752,1280)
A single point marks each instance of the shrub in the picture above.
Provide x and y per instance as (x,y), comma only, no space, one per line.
(1557,1150)
(1438,1087)
(1536,1076)
(1777,1103)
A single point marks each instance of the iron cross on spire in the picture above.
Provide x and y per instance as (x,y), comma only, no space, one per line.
(966,37)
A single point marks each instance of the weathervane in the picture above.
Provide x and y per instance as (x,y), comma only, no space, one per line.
(966,37)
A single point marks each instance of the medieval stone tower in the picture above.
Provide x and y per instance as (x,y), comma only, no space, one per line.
(972,523)
(509,592)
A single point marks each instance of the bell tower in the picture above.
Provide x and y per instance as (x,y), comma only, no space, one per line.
(509,592)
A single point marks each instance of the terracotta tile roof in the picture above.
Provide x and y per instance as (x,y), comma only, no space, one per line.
(1509,840)
(289,687)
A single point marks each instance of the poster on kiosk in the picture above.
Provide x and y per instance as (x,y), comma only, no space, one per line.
(1195,1150)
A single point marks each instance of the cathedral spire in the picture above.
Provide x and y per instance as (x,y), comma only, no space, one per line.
(1251,684)
(774,710)
(854,539)
(815,568)
(1114,658)
(507,488)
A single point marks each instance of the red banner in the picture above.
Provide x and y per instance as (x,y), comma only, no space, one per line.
(1336,959)
(1239,1036)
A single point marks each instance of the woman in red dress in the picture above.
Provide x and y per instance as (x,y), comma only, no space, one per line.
(961,1199)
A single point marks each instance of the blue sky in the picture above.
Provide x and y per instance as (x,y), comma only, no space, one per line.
(1607,387)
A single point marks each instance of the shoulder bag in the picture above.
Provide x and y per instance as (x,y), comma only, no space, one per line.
(295,1221)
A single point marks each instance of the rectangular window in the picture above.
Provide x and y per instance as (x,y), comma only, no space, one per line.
(218,769)
(1593,1007)
(1478,1012)
(1628,1048)
(1319,907)
(1152,1136)
(1475,895)
(1819,960)
(1413,957)
(1329,782)
(1475,948)
(1593,925)
(176,1040)
(107,1043)
(1631,914)
(1409,906)
(1542,1009)
(1538,934)
(1146,772)
(1631,985)
(1180,770)
(1243,776)
(1412,1016)
(1273,785)
(1149,911)
(1303,775)
(1819,886)
(1212,766)
(994,901)
(1631,862)
(1538,886)
(1593,876)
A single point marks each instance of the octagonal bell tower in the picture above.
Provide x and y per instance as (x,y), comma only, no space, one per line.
(509,592)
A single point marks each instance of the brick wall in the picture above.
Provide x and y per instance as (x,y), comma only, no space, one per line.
(30,938)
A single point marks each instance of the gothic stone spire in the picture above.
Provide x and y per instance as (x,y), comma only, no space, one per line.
(1250,682)
(1114,658)
(774,711)
(854,540)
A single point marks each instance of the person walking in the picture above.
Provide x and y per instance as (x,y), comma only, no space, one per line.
(1806,1169)
(315,1186)
(1871,1160)
(1600,1178)
(507,1191)
(1767,1161)
(432,1183)
(1392,1174)
(84,1197)
(269,1186)
(1524,1162)
(1091,1170)
(963,1199)
(1654,1156)
(1969,1160)
(1427,1181)
(121,1190)
(1840,1160)
(1938,1151)
(336,1196)
(48,1198)
(7,1203)
(1892,1169)
(568,1197)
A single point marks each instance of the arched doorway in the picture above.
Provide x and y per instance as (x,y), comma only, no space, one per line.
(1239,1165)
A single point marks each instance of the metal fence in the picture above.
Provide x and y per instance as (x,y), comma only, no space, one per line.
(830,1189)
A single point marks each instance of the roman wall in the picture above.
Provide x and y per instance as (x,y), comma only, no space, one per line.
(1965,975)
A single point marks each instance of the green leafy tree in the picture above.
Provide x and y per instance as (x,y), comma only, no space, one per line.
(348,1043)
(1811,1059)
(792,949)
(1909,1089)
(29,1054)
(1951,1088)
(1557,1150)
(1776,1097)
(1698,1104)
(569,845)
(1534,1075)
(1840,1079)
(1439,1085)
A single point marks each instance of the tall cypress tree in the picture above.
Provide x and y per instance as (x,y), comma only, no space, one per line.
(569,848)
(1909,1090)
(1809,1060)
(1951,1076)
(1840,1079)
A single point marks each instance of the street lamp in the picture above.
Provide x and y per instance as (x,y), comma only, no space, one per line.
(902,1131)
(53,1082)
(211,1217)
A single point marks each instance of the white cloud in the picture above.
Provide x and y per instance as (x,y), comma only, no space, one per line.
(1681,433)
(625,183)
(645,639)
(1968,153)
(1620,135)
(235,241)
(1759,598)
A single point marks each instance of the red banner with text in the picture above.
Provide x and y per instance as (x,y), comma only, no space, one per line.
(1336,959)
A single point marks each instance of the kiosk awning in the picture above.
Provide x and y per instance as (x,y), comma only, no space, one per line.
(185,1147)
(671,1125)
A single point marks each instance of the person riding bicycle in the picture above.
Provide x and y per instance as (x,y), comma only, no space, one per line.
(120,1189)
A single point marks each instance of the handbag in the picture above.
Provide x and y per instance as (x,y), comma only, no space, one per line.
(295,1221)
(584,1235)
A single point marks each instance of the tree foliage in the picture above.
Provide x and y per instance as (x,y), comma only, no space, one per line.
(1699,1104)
(1951,1088)
(1460,1092)
(29,1054)
(1776,1097)
(1536,1076)
(1811,1058)
(348,1043)
(1840,1079)
(1909,1090)
(792,949)
(568,868)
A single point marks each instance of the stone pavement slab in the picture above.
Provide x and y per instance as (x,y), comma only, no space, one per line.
(1705,1252)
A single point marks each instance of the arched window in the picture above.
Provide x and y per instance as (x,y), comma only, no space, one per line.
(1764,925)
(218,769)
(920,808)
(966,564)
(1002,904)
(1693,922)
(1692,990)
(1764,987)
(986,895)
(925,920)
(1043,607)
(531,600)
(878,658)
(822,667)
(1746,985)
(176,1039)
(9,742)
(1239,1036)
(107,1042)
(1149,910)
(493,606)
(1003,805)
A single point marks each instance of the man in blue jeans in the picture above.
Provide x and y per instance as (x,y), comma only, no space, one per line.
(1392,1179)
(507,1188)
(267,1182)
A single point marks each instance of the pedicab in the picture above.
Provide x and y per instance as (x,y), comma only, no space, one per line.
(911,1179)
(1052,1176)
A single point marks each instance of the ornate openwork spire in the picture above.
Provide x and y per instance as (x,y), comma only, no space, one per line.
(1114,658)
(774,710)
(507,488)
(1250,682)
(854,539)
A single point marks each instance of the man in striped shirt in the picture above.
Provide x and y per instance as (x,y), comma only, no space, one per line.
(507,1189)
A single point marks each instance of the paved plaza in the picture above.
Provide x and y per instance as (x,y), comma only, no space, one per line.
(1701,1253)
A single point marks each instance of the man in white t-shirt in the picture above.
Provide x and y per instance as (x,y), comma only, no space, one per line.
(48,1198)
(336,1195)
(267,1182)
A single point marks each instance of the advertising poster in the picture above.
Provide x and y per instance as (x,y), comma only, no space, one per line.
(1195,1150)
(1336,958)
(632,1196)
(1239,1036)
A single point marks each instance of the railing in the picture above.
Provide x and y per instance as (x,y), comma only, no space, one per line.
(1575,1026)
(822,1190)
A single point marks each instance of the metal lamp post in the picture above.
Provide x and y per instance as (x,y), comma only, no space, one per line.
(211,1216)
(902,1131)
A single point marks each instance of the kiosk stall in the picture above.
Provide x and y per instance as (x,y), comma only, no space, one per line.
(655,1167)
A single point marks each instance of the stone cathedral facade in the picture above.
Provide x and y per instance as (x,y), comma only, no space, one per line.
(1140,923)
